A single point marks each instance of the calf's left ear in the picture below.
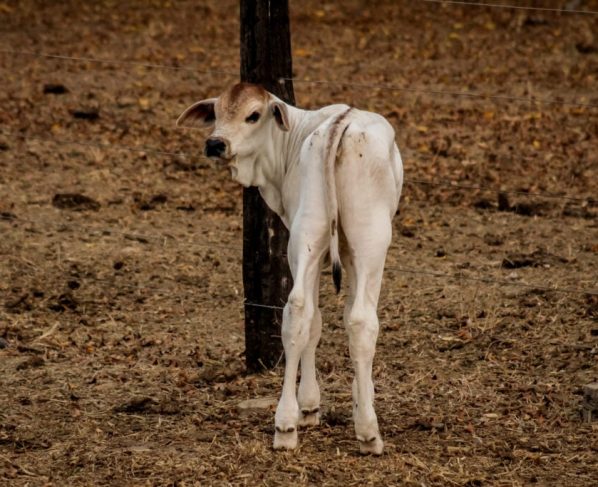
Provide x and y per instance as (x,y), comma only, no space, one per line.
(200,114)
(281,115)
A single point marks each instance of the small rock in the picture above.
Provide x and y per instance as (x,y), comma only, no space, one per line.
(483,204)
(335,418)
(55,89)
(62,303)
(186,208)
(153,202)
(136,238)
(522,208)
(585,48)
(257,404)
(137,405)
(73,284)
(90,114)
(538,258)
(440,252)
(3,343)
(407,232)
(74,201)
(149,405)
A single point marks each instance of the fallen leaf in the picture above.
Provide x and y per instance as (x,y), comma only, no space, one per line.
(300,52)
(144,103)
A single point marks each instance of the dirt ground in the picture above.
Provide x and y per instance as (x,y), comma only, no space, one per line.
(121,318)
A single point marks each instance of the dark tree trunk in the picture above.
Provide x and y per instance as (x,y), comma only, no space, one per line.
(265,59)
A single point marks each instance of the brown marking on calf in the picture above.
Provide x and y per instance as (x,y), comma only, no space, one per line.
(238,95)
(334,129)
(332,136)
(244,90)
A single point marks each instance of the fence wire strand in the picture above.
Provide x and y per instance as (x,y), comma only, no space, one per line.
(189,157)
(379,86)
(63,57)
(388,87)
(514,7)
(460,276)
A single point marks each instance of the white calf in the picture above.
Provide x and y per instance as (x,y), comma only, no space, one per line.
(334,176)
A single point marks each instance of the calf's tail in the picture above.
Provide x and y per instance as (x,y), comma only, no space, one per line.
(337,129)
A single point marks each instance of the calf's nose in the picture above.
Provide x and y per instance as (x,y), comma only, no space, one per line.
(215,147)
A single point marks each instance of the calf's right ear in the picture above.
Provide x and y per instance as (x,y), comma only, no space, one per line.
(200,114)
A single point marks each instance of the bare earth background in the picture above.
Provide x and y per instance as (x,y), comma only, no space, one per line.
(121,325)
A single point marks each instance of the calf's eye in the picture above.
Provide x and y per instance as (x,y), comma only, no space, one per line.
(254,117)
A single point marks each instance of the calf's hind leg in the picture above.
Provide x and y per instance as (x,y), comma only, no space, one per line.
(364,272)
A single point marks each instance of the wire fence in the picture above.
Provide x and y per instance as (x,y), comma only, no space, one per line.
(116,62)
(516,7)
(532,100)
(163,239)
(451,185)
(389,87)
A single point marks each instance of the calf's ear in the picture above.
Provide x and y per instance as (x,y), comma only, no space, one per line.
(281,115)
(200,114)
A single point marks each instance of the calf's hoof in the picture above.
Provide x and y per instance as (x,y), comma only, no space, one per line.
(310,417)
(371,446)
(285,440)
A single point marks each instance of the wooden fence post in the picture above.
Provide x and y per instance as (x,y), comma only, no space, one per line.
(265,59)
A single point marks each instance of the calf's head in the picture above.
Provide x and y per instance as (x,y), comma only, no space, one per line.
(242,119)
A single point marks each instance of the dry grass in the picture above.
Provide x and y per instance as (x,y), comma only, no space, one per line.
(122,328)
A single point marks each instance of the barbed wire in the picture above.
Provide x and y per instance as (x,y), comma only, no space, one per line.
(502,282)
(189,157)
(460,276)
(267,306)
(141,64)
(455,185)
(380,86)
(515,7)
(388,87)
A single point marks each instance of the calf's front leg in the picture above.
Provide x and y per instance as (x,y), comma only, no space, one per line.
(301,326)
(309,392)
(295,337)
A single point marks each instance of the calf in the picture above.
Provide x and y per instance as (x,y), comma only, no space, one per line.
(334,176)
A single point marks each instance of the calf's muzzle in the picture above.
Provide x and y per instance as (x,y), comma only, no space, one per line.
(215,147)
